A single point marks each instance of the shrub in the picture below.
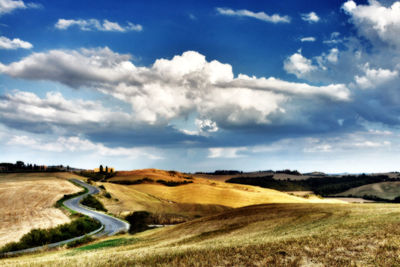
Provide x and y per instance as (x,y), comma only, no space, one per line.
(81,241)
(40,237)
(93,202)
(107,195)
(130,182)
(102,187)
(173,183)
(139,221)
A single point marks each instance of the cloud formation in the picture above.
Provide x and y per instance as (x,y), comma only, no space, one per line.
(298,65)
(8,6)
(311,17)
(275,18)
(15,43)
(173,88)
(96,25)
(376,22)
(77,144)
(308,39)
(37,114)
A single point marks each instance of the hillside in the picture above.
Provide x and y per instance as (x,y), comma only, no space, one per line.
(27,201)
(143,190)
(384,190)
(262,235)
(131,198)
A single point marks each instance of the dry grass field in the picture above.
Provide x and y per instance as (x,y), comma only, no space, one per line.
(27,202)
(199,198)
(261,235)
(130,198)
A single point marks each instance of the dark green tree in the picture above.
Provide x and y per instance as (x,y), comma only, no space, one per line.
(101,169)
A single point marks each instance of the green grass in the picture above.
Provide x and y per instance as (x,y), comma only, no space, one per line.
(108,244)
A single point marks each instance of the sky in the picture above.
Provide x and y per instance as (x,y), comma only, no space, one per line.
(201,85)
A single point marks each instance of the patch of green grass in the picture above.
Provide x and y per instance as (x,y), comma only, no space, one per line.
(109,243)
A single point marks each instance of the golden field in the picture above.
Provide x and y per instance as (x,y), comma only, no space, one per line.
(201,197)
(289,234)
(27,202)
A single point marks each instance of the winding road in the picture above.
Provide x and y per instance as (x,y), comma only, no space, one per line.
(111,224)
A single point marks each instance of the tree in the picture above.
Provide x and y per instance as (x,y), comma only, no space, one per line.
(106,169)
(20,164)
(101,169)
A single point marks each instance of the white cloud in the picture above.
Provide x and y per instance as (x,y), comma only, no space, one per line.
(375,77)
(7,6)
(308,39)
(206,125)
(275,18)
(94,24)
(376,22)
(78,144)
(15,43)
(55,110)
(173,88)
(226,152)
(333,55)
(298,65)
(311,17)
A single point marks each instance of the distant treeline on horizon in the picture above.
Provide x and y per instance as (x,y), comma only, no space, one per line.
(20,166)
(234,172)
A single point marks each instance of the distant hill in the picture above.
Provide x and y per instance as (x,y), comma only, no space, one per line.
(384,190)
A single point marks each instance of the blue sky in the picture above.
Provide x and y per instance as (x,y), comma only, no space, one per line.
(201,85)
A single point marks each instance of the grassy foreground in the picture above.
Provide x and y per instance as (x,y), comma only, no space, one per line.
(262,235)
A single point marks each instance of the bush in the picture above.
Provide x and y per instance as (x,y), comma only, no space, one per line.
(139,221)
(107,195)
(92,202)
(102,187)
(173,183)
(130,182)
(81,241)
(40,237)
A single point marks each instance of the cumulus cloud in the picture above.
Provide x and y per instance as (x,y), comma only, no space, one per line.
(15,43)
(375,77)
(38,114)
(94,24)
(376,22)
(298,65)
(308,39)
(8,6)
(173,88)
(275,18)
(311,17)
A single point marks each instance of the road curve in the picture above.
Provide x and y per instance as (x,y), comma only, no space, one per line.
(111,224)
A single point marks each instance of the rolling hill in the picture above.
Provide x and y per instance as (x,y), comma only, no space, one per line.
(384,190)
(142,190)
(261,235)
